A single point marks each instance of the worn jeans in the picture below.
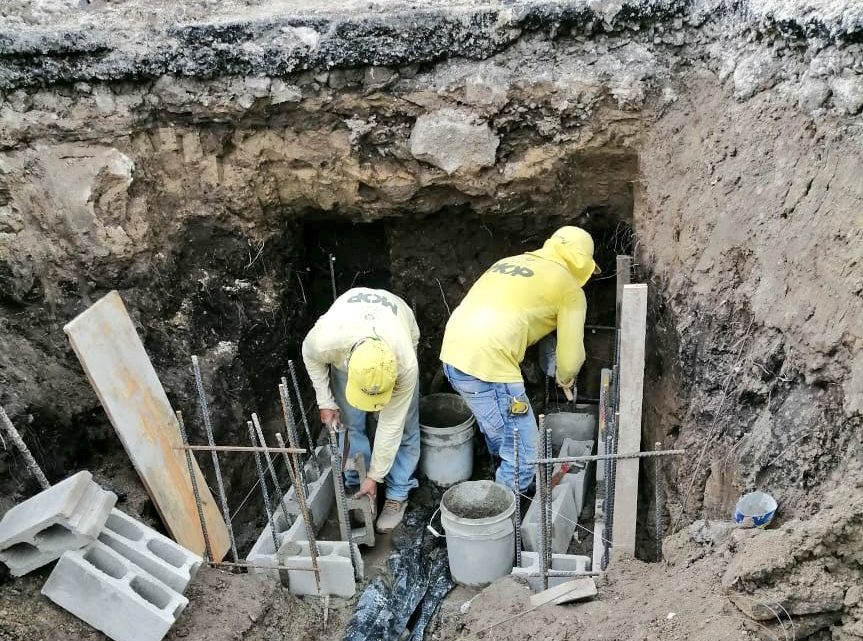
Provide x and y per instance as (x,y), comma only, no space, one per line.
(400,479)
(490,403)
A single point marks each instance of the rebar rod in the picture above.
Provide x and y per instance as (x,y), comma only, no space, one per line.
(563,573)
(296,381)
(658,500)
(291,426)
(265,495)
(241,448)
(293,461)
(549,512)
(602,457)
(193,478)
(341,498)
(280,496)
(543,506)
(607,486)
(333,276)
(516,444)
(240,564)
(29,462)
(208,427)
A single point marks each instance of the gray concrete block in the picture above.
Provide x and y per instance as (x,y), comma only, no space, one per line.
(113,595)
(563,521)
(321,495)
(66,516)
(263,553)
(362,510)
(334,561)
(568,562)
(580,473)
(157,555)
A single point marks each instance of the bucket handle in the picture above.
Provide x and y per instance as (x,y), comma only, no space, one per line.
(431,529)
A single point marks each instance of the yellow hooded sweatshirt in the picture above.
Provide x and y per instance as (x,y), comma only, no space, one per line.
(518,301)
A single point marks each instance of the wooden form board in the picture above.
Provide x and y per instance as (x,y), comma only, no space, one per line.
(113,357)
(633,328)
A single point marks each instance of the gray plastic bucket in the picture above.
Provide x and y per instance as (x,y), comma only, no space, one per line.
(480,535)
(446,435)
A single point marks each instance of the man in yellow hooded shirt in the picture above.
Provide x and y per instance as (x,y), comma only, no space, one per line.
(514,304)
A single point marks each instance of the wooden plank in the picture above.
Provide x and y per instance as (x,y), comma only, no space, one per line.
(575,590)
(113,357)
(624,271)
(632,347)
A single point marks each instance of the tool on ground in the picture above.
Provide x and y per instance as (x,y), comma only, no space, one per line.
(208,427)
(29,462)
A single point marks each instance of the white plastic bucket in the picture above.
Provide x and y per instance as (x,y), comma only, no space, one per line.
(446,436)
(480,535)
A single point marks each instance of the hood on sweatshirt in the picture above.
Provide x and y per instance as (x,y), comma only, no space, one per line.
(571,247)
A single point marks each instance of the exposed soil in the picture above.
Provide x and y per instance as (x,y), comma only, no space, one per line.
(207,160)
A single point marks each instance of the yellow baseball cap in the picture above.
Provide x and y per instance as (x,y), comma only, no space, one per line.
(371,375)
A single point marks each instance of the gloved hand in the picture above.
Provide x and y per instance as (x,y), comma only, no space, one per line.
(568,388)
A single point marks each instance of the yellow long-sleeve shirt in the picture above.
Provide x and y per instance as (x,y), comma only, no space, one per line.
(513,305)
(357,314)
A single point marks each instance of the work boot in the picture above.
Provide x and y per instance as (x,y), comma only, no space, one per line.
(391,515)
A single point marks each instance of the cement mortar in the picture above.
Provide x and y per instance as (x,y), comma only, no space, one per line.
(473,500)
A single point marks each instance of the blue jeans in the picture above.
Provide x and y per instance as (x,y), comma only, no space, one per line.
(400,480)
(490,403)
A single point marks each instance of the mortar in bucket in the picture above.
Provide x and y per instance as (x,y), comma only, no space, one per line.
(480,536)
(446,435)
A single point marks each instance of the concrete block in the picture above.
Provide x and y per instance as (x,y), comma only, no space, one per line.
(321,495)
(568,562)
(334,561)
(113,595)
(361,509)
(290,527)
(563,521)
(263,552)
(66,516)
(157,555)
(579,473)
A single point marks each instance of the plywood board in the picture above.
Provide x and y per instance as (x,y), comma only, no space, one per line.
(113,357)
(633,327)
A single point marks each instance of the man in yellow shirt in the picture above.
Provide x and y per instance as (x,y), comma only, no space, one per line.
(514,304)
(361,357)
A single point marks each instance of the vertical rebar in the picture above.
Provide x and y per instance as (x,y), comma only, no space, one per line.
(295,380)
(550,497)
(208,427)
(262,481)
(280,496)
(29,462)
(185,438)
(293,461)
(291,426)
(657,499)
(543,507)
(341,498)
(516,445)
(608,484)
(333,276)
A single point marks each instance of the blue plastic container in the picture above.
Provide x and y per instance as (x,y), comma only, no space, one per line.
(755,509)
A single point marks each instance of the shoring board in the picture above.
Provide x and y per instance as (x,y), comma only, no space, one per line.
(633,328)
(114,359)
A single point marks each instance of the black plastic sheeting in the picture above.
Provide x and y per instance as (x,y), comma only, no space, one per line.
(408,595)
